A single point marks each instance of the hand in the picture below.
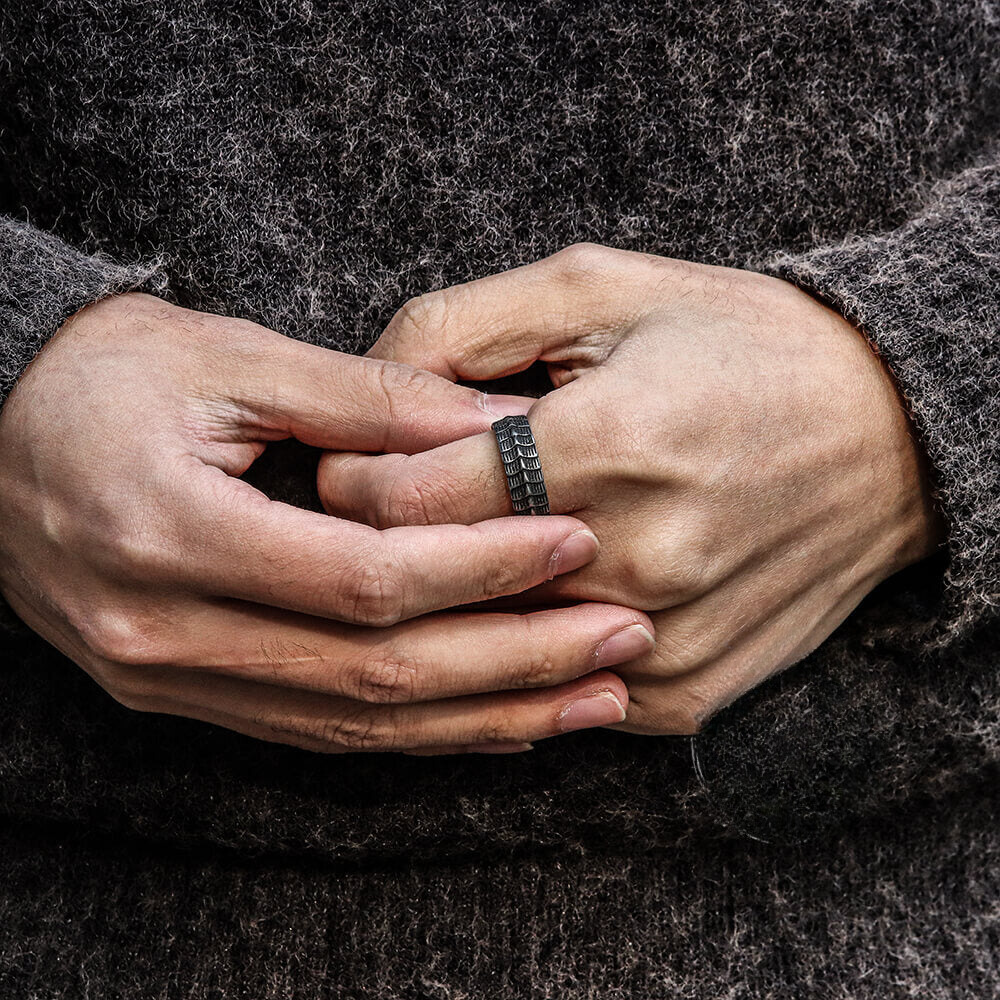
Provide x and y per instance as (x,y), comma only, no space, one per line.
(737,447)
(127,542)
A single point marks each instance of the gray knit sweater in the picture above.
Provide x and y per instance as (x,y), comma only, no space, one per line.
(311,165)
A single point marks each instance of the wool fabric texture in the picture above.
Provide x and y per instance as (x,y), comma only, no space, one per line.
(310,166)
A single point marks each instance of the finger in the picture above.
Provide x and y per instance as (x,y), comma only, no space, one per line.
(338,725)
(243,545)
(332,400)
(458,483)
(714,650)
(433,657)
(571,306)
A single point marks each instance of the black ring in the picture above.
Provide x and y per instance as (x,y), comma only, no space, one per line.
(521,465)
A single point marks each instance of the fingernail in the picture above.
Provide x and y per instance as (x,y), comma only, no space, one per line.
(573,552)
(628,644)
(506,406)
(599,709)
(499,747)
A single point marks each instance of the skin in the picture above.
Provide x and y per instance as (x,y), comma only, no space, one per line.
(738,447)
(127,542)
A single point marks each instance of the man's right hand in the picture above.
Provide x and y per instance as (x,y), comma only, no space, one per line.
(127,541)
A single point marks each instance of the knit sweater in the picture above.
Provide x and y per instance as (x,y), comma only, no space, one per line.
(310,166)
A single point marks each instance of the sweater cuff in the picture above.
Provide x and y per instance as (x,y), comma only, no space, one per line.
(43,282)
(927,296)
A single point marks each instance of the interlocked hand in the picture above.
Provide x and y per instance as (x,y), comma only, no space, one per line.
(738,448)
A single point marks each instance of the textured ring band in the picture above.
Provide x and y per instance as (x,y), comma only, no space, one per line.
(521,465)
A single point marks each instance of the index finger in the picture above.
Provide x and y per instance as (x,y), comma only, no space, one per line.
(549,310)
(247,546)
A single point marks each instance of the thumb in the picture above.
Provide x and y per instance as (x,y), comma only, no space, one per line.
(568,309)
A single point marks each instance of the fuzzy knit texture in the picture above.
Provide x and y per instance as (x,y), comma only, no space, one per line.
(312,165)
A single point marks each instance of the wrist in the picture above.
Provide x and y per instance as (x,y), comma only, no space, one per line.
(885,468)
(920,526)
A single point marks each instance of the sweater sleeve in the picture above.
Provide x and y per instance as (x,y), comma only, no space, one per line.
(927,296)
(43,281)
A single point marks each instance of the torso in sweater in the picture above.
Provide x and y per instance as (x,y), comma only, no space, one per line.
(310,166)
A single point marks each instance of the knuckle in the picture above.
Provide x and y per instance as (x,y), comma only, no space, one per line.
(136,310)
(404,500)
(357,730)
(399,389)
(691,710)
(645,584)
(581,260)
(373,594)
(130,686)
(684,712)
(247,343)
(501,579)
(687,576)
(385,678)
(539,670)
(664,576)
(684,580)
(258,340)
(420,315)
(135,547)
(399,379)
(129,694)
(120,637)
